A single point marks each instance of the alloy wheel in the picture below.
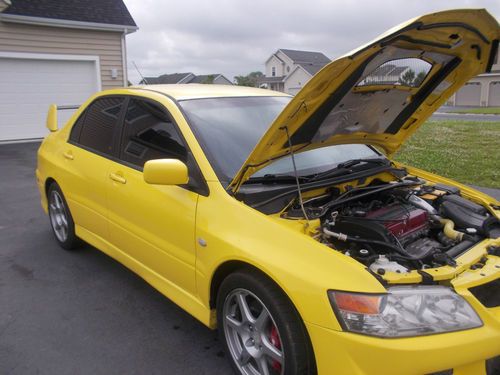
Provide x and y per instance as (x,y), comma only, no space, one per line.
(58,216)
(252,335)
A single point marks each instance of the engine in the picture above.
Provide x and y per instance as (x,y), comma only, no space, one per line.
(402,226)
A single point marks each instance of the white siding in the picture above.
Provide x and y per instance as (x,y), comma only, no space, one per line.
(494,99)
(221,80)
(277,64)
(15,37)
(287,62)
(296,80)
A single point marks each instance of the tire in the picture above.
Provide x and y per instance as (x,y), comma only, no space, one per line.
(61,221)
(259,327)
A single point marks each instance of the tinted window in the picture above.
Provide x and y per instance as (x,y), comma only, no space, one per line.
(77,128)
(99,125)
(149,134)
(229,128)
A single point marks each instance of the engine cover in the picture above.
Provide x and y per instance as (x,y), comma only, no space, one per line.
(404,221)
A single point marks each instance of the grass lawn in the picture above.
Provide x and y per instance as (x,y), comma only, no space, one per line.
(480,111)
(466,151)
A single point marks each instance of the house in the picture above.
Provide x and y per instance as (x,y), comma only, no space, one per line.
(288,70)
(178,78)
(57,51)
(483,90)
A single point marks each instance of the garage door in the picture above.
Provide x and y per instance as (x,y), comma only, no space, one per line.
(470,94)
(494,99)
(30,85)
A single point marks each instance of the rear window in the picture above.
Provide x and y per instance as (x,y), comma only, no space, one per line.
(96,127)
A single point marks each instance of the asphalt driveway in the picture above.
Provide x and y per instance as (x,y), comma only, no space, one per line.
(81,312)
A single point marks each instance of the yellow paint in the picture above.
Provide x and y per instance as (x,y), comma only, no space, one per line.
(155,230)
(165,172)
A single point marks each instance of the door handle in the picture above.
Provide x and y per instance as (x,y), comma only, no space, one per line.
(117,178)
(68,155)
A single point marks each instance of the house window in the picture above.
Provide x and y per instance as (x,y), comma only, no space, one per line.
(273,71)
(288,69)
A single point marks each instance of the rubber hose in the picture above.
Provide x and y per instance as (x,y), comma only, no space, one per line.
(449,230)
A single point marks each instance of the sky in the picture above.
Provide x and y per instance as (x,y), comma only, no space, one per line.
(235,37)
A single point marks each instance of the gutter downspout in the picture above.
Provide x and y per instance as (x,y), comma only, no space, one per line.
(124,59)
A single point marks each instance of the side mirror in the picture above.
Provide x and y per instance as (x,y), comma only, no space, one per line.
(52,118)
(165,172)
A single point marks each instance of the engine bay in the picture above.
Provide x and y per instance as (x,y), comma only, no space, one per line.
(397,226)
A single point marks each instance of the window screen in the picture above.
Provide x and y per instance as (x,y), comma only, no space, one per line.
(149,134)
(99,125)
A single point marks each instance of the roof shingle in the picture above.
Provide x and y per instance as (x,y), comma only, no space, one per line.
(112,12)
(302,57)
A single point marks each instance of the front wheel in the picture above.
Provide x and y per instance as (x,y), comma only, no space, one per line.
(261,330)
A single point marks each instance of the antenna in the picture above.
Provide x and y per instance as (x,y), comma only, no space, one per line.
(138,71)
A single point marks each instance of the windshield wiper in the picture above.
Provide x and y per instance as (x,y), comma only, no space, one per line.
(343,168)
(353,162)
(275,178)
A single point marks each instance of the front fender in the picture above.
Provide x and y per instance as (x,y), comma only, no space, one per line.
(304,268)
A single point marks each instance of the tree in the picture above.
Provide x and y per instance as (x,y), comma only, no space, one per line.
(209,80)
(408,78)
(419,78)
(249,80)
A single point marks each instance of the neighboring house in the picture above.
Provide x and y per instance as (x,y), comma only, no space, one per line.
(178,78)
(57,51)
(483,90)
(288,70)
(168,79)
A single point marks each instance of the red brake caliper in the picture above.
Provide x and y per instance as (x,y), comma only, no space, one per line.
(275,340)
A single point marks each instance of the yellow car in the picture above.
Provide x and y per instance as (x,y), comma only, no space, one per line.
(282,221)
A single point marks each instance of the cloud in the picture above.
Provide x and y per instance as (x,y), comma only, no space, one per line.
(235,37)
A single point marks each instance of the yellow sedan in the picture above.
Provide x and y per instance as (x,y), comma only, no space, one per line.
(283,222)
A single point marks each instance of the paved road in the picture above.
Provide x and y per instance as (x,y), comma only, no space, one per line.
(465,117)
(81,312)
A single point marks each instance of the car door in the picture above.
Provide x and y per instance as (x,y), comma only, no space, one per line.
(86,162)
(153,224)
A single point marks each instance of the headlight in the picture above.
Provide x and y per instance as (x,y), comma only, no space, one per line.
(404,311)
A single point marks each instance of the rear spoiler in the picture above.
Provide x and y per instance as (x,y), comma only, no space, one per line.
(51,123)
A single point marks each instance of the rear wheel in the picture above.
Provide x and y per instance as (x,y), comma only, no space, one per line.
(261,330)
(61,220)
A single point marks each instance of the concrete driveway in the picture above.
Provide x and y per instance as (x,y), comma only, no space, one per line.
(81,312)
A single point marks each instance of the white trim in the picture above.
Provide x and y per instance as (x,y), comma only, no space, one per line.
(124,60)
(486,75)
(27,140)
(274,55)
(66,23)
(187,76)
(55,56)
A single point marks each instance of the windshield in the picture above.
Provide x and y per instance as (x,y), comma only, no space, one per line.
(318,160)
(228,129)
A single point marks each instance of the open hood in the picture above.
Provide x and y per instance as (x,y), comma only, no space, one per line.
(380,93)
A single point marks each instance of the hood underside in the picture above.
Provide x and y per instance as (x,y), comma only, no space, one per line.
(382,92)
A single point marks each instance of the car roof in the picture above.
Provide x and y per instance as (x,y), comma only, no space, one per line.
(199,91)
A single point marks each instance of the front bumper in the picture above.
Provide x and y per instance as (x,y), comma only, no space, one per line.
(465,351)
(343,353)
